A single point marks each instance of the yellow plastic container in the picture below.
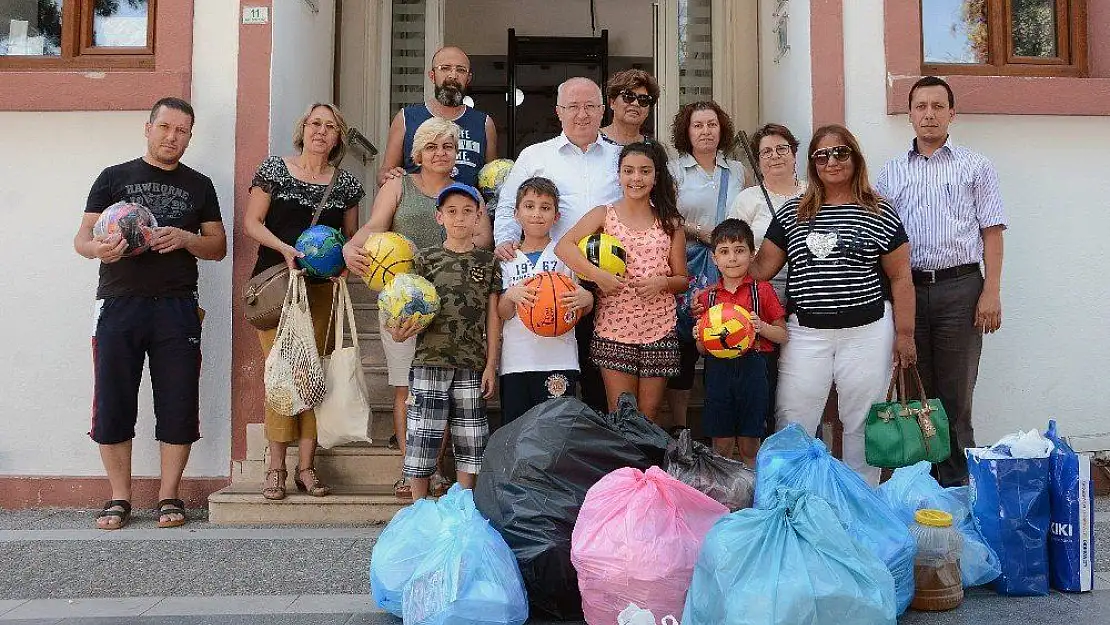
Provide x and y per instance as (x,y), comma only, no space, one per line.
(936,571)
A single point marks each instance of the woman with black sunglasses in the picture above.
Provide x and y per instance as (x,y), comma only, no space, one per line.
(849,261)
(631,95)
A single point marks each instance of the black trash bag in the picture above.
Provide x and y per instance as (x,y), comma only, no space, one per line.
(534,478)
(726,480)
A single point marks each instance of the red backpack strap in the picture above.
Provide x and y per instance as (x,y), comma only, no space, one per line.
(755,298)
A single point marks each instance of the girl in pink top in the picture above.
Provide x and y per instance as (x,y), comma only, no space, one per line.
(634,342)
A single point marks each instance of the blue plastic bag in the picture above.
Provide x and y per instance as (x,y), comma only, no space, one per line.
(788,562)
(703,274)
(403,544)
(1071,540)
(793,459)
(468,576)
(912,488)
(1009,501)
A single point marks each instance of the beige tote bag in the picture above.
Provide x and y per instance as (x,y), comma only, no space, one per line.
(344,415)
(294,376)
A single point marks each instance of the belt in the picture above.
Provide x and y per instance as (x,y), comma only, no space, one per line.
(929,276)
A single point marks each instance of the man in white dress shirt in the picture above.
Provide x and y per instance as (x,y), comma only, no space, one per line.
(584,168)
(949,201)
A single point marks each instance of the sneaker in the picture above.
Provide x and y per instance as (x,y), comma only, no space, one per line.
(393,444)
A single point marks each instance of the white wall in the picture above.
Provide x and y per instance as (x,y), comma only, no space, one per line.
(786,86)
(480,26)
(1049,359)
(47,163)
(300,65)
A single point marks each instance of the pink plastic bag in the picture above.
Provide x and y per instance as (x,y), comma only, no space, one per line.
(636,540)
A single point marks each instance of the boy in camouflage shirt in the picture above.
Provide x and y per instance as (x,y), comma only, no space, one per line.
(455,369)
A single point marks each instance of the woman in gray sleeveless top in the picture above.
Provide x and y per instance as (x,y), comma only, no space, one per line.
(407,206)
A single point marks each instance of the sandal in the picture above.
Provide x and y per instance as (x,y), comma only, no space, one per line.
(402,489)
(393,444)
(167,507)
(439,485)
(275,484)
(107,512)
(316,487)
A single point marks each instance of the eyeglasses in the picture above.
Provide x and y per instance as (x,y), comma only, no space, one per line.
(778,150)
(322,125)
(574,109)
(839,152)
(452,69)
(642,99)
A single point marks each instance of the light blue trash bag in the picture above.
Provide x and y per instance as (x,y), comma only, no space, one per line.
(788,562)
(793,459)
(401,547)
(912,488)
(469,576)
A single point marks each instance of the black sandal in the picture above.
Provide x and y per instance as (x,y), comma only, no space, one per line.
(123,515)
(171,506)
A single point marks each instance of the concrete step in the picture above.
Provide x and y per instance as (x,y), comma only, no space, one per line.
(243,503)
(370,343)
(349,466)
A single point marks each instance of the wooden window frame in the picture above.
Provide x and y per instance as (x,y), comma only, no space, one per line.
(1071,45)
(78,51)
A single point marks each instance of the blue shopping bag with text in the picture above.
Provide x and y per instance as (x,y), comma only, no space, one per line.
(1071,540)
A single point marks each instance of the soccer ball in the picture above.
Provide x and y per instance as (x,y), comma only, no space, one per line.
(491,176)
(133,221)
(604,251)
(725,331)
(390,254)
(408,296)
(322,247)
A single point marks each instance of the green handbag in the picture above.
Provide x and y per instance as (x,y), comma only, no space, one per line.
(900,432)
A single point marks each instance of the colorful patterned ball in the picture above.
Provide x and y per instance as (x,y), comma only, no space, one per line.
(133,221)
(492,175)
(408,296)
(390,254)
(604,251)
(322,247)
(725,331)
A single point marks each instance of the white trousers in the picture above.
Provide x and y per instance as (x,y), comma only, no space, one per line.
(858,360)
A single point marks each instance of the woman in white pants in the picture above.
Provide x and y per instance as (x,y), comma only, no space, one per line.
(849,256)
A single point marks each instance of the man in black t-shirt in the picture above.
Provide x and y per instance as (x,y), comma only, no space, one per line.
(147,307)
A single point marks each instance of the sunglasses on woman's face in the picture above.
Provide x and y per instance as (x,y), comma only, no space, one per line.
(839,152)
(642,99)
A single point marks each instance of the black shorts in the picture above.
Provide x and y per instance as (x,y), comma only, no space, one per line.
(736,396)
(687,362)
(520,392)
(128,330)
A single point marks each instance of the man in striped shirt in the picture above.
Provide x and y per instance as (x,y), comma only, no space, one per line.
(948,198)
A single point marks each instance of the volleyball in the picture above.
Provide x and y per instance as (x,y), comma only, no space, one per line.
(725,331)
(491,176)
(549,316)
(389,254)
(605,252)
(408,296)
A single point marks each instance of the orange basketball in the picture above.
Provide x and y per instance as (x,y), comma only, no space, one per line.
(549,317)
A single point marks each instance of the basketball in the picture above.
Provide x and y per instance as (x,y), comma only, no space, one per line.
(133,222)
(322,247)
(390,254)
(605,252)
(726,331)
(408,296)
(491,176)
(549,317)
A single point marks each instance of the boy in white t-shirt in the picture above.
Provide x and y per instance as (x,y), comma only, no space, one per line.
(535,368)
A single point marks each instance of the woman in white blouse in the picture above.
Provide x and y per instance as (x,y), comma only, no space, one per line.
(777,150)
(708,184)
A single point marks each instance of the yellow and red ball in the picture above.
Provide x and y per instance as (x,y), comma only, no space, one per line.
(725,331)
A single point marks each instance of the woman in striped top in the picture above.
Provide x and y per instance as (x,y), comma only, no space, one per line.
(848,255)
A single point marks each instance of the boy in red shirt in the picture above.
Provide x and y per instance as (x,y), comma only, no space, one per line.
(737,393)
